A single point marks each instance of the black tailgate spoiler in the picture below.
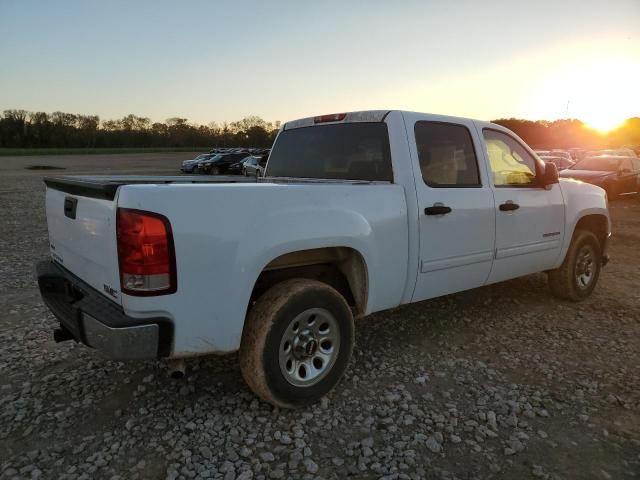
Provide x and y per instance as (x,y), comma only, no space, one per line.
(105,187)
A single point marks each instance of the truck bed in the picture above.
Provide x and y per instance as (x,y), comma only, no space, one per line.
(105,186)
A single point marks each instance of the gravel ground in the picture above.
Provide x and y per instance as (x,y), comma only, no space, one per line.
(499,382)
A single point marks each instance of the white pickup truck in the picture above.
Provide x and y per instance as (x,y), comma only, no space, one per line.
(357,213)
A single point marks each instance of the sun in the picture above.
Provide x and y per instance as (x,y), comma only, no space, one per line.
(603,122)
(599,94)
(599,91)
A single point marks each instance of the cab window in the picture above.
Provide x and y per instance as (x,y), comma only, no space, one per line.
(511,164)
(446,154)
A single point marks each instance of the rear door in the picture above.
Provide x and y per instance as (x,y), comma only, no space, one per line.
(530,223)
(82,239)
(455,207)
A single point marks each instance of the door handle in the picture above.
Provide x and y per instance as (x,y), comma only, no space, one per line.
(437,210)
(509,206)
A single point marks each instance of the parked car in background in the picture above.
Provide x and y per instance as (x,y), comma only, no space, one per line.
(616,174)
(561,153)
(618,152)
(561,162)
(219,164)
(358,213)
(237,168)
(255,165)
(629,152)
(577,153)
(188,166)
(249,166)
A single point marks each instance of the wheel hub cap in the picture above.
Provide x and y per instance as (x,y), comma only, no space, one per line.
(304,345)
(309,347)
(585,267)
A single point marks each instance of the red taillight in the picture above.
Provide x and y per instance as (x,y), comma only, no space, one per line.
(145,253)
(334,117)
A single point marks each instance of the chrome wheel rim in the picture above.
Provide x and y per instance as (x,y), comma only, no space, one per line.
(585,267)
(309,347)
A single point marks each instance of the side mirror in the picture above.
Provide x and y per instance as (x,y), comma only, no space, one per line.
(550,175)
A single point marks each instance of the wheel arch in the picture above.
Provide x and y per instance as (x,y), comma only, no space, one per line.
(343,268)
(596,223)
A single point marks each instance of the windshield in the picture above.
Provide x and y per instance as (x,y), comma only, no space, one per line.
(605,164)
(345,151)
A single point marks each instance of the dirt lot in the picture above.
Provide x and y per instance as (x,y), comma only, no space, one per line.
(498,382)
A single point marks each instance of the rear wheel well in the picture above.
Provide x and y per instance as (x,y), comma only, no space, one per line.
(597,224)
(342,268)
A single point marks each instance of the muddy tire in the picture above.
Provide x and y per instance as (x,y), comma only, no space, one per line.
(578,275)
(297,342)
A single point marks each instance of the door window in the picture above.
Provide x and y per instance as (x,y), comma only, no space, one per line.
(446,155)
(625,165)
(511,164)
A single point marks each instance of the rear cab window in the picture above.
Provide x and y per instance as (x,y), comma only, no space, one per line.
(338,151)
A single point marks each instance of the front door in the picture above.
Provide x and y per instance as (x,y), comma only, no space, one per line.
(456,208)
(529,218)
(628,177)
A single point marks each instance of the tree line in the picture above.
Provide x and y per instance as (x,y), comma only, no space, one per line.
(23,129)
(572,133)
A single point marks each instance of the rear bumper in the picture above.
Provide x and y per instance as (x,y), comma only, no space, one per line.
(97,322)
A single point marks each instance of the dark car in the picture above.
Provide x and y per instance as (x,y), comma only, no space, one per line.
(219,164)
(238,167)
(190,166)
(617,175)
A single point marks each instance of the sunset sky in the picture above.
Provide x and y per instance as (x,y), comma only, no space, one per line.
(222,60)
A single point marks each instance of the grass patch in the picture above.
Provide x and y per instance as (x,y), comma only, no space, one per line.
(5,152)
(43,167)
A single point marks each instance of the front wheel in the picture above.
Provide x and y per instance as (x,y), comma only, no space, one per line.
(577,276)
(296,343)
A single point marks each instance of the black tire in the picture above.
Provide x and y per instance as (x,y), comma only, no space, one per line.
(269,320)
(564,281)
(215,171)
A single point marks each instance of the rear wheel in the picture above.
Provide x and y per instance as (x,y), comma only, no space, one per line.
(577,276)
(297,342)
(215,171)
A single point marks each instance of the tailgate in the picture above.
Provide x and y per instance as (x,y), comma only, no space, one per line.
(82,238)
